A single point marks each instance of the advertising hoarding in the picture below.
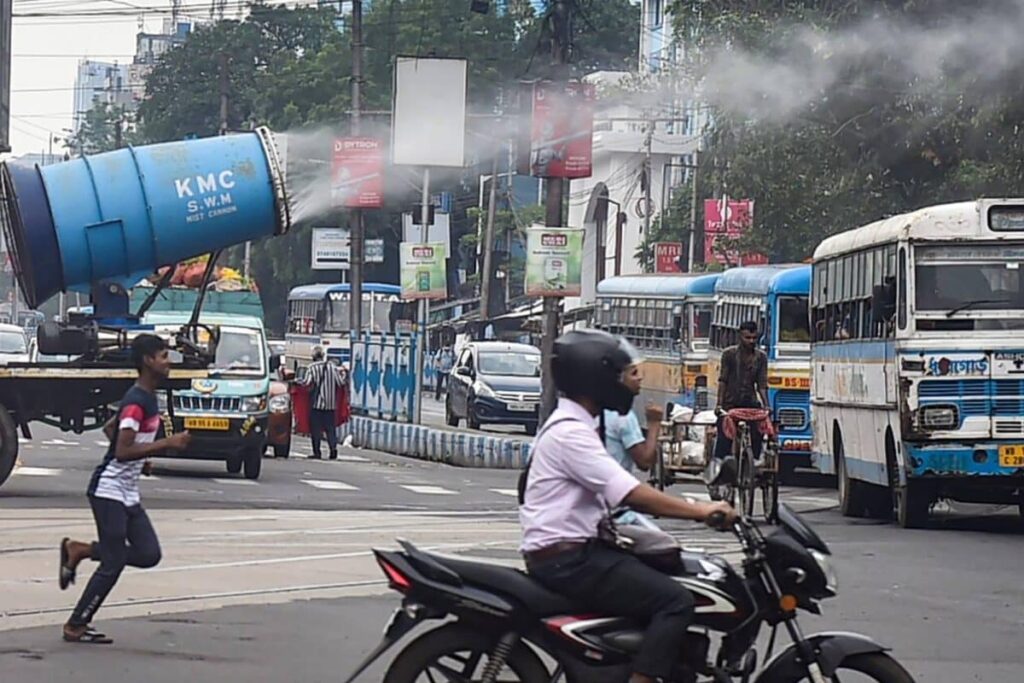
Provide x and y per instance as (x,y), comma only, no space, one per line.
(561,141)
(554,261)
(429,112)
(424,272)
(357,173)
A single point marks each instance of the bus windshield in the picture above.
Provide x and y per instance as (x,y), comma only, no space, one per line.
(702,320)
(375,318)
(794,327)
(951,288)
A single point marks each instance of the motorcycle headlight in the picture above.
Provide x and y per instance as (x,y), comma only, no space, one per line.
(254,404)
(481,389)
(939,417)
(825,565)
(280,404)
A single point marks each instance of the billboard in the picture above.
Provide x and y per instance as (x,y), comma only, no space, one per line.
(666,257)
(357,178)
(331,249)
(561,140)
(729,219)
(5,74)
(429,112)
(424,273)
(554,261)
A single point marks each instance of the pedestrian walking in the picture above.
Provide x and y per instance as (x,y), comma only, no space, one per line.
(443,363)
(324,380)
(126,536)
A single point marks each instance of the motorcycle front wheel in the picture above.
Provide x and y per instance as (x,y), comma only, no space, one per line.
(457,653)
(875,666)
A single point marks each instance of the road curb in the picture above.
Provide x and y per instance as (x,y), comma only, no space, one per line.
(462,449)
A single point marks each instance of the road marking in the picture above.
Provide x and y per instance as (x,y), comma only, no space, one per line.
(102,444)
(813,500)
(352,458)
(513,493)
(240,482)
(696,496)
(429,490)
(59,442)
(329,485)
(37,471)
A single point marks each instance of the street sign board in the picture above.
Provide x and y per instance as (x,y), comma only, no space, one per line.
(373,251)
(424,272)
(357,177)
(563,129)
(554,261)
(666,255)
(331,249)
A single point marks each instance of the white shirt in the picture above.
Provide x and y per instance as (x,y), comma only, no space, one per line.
(572,481)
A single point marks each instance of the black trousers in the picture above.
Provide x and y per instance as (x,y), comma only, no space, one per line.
(126,538)
(602,579)
(323,421)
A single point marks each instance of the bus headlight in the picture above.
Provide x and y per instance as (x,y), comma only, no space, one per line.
(280,404)
(939,417)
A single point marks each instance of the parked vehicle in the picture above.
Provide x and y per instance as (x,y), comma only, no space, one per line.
(228,414)
(508,627)
(13,345)
(495,383)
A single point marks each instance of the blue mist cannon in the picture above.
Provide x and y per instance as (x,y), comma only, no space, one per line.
(117,217)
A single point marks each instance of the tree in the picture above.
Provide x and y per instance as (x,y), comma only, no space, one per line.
(106,127)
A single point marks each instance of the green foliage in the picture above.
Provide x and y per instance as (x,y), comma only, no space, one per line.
(105,128)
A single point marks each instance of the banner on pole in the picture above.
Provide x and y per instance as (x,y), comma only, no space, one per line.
(424,273)
(357,173)
(728,220)
(666,257)
(331,249)
(563,129)
(554,261)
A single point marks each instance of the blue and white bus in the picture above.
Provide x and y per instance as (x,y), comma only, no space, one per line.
(776,297)
(919,362)
(318,315)
(667,318)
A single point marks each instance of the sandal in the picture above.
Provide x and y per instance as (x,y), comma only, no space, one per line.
(89,636)
(66,577)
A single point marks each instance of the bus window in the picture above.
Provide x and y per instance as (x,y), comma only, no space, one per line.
(901,314)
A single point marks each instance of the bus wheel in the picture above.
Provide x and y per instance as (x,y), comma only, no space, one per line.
(8,444)
(852,501)
(913,503)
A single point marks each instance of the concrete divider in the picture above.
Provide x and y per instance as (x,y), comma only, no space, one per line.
(452,447)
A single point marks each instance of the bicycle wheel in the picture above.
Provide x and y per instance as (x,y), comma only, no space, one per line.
(745,476)
(770,497)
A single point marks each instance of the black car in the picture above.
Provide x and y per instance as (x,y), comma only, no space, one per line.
(495,383)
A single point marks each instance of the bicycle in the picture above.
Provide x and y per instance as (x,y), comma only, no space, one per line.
(753,473)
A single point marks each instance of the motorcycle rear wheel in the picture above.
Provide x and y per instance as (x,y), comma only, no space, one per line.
(457,652)
(879,666)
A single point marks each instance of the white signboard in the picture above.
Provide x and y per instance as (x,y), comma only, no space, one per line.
(429,115)
(331,249)
(440,231)
(373,251)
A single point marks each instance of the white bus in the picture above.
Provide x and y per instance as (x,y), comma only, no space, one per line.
(918,360)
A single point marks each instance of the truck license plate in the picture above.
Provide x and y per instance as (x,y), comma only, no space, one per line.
(215,424)
(1011,456)
(522,407)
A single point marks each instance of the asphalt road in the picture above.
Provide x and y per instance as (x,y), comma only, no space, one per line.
(272,581)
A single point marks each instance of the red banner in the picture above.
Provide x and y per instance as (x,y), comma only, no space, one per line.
(666,257)
(728,220)
(357,178)
(561,142)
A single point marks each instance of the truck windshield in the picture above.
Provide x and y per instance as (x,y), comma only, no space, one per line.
(239,350)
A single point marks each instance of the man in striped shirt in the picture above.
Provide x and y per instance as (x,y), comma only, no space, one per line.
(126,536)
(324,379)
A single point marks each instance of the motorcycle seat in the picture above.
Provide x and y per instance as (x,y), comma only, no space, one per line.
(510,582)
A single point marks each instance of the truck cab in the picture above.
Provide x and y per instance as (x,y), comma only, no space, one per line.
(227,413)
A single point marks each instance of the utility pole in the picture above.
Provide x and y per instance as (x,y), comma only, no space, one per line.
(693,212)
(118,136)
(561,39)
(356,225)
(488,245)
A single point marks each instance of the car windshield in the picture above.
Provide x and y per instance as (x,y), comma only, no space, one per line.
(511,363)
(13,342)
(239,349)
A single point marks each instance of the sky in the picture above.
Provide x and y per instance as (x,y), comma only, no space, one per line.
(46,50)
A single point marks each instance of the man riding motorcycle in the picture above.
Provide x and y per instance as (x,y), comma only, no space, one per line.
(572,483)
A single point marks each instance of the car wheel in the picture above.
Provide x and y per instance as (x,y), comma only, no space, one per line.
(450,418)
(252,462)
(471,420)
(234,464)
(283,451)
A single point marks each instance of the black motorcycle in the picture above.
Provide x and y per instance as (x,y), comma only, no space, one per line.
(501,626)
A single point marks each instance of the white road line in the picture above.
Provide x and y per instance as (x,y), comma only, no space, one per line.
(330,485)
(37,471)
(512,493)
(813,500)
(352,458)
(696,496)
(59,442)
(239,482)
(429,490)
(103,444)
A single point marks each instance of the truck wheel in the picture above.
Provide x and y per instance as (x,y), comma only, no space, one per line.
(234,464)
(8,444)
(252,460)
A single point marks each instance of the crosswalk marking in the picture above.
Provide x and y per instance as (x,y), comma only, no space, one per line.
(512,493)
(240,482)
(37,471)
(330,485)
(429,490)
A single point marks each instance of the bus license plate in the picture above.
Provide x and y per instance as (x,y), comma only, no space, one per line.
(522,407)
(213,424)
(1011,456)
